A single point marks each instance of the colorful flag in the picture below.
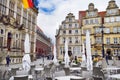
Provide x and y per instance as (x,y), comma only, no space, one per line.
(36,2)
(27,3)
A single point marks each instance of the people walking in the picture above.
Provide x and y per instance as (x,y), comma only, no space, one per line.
(8,60)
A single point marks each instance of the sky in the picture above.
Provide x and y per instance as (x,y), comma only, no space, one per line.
(53,12)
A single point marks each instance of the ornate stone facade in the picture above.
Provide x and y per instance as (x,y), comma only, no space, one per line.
(15,22)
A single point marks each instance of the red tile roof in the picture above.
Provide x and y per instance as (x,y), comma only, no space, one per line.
(102,13)
(82,13)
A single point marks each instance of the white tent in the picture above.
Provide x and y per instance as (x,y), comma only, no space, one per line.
(26,58)
(66,58)
(55,56)
(88,52)
(83,53)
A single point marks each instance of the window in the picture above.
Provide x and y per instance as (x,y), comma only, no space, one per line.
(115,30)
(70,19)
(118,29)
(97,30)
(18,17)
(64,31)
(98,40)
(91,21)
(64,26)
(16,45)
(91,14)
(118,18)
(112,19)
(76,39)
(11,10)
(112,11)
(96,21)
(70,31)
(115,40)
(2,9)
(3,4)
(116,51)
(61,50)
(76,50)
(24,21)
(29,25)
(107,20)
(70,40)
(1,42)
(109,11)
(76,25)
(33,19)
(119,40)
(76,31)
(107,30)
(2,31)
(25,14)
(107,40)
(63,39)
(70,25)
(86,22)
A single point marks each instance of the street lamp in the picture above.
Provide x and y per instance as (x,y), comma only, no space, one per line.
(102,31)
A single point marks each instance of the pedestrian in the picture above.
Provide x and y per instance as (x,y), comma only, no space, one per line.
(106,57)
(8,60)
(76,59)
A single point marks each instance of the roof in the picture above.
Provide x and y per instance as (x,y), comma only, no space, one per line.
(83,13)
(102,13)
(38,28)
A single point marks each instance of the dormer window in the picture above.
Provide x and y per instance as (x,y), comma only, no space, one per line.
(112,8)
(112,11)
(91,14)
(70,20)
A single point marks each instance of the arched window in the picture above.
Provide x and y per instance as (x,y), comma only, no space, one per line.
(2,31)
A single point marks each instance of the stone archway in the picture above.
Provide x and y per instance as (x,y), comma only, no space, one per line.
(108,51)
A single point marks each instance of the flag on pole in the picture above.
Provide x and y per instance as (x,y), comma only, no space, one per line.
(27,3)
(36,2)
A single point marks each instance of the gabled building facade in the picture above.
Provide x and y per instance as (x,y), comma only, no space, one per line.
(95,21)
(68,30)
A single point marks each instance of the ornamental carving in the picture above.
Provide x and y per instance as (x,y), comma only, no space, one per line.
(4,19)
(12,21)
(8,20)
(112,4)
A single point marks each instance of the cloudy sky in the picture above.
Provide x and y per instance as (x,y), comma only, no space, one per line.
(53,12)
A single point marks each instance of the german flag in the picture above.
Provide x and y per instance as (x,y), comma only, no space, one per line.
(27,3)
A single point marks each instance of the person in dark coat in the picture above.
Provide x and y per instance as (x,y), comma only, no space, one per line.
(8,60)
(107,57)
